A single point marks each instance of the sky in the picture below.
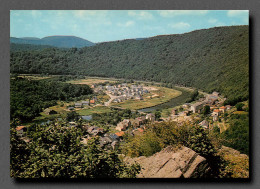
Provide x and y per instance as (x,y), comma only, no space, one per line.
(110,25)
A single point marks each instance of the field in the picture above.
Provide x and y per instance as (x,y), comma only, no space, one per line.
(92,80)
(152,99)
(34,77)
(96,109)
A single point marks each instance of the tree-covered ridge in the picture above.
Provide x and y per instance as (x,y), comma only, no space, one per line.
(209,59)
(27,47)
(29,97)
(55,41)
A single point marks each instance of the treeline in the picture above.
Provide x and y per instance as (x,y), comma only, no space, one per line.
(56,151)
(29,97)
(215,59)
(27,47)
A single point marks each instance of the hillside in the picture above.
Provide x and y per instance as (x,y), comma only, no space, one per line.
(208,59)
(56,41)
(27,47)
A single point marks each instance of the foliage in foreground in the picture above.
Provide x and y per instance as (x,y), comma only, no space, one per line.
(55,151)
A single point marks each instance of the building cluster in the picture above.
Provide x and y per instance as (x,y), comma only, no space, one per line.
(125,92)
(135,123)
(83,103)
(214,101)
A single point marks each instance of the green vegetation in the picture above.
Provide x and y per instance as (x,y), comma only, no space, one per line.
(114,117)
(211,59)
(237,136)
(55,151)
(169,133)
(30,97)
(193,96)
(92,110)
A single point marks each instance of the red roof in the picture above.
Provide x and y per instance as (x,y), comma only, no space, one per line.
(19,128)
(222,107)
(216,110)
(121,133)
(140,130)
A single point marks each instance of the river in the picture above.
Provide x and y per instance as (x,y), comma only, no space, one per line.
(171,103)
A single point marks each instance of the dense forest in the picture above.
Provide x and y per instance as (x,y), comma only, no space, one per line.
(29,97)
(208,59)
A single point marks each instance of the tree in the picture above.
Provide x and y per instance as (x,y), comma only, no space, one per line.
(239,106)
(206,110)
(157,115)
(72,116)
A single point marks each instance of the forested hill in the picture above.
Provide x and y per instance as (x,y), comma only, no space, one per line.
(56,41)
(27,47)
(208,59)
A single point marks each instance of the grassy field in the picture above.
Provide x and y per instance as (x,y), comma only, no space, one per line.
(92,80)
(162,95)
(34,77)
(96,109)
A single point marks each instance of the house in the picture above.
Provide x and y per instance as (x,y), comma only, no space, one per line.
(120,134)
(215,93)
(223,109)
(216,112)
(92,101)
(113,137)
(85,103)
(150,117)
(123,125)
(78,105)
(197,107)
(20,130)
(228,107)
(204,124)
(186,105)
(215,117)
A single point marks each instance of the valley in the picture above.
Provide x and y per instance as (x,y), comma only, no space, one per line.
(130,100)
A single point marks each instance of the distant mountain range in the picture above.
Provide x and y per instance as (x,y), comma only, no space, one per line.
(56,41)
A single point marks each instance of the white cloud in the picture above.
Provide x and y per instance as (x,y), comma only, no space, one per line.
(212,20)
(142,15)
(89,14)
(127,24)
(237,13)
(172,13)
(36,13)
(179,25)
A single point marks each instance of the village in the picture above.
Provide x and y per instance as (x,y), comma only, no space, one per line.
(188,112)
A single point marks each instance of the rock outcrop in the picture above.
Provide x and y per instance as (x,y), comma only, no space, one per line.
(170,163)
